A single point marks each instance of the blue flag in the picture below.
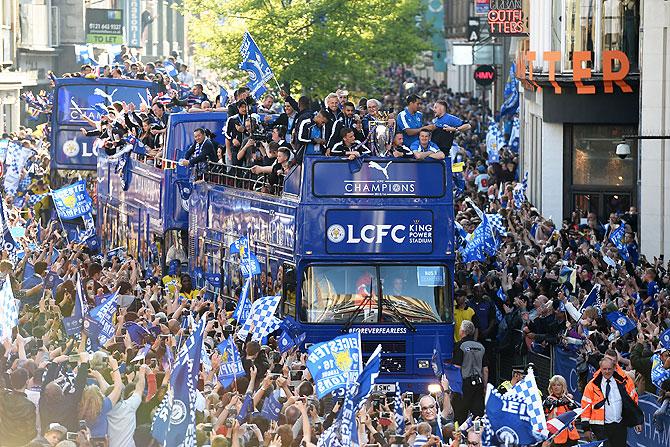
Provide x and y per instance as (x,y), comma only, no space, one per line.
(454,376)
(170,69)
(356,396)
(99,322)
(437,361)
(617,238)
(137,333)
(72,201)
(509,419)
(620,322)
(214,279)
(255,64)
(240,246)
(592,298)
(247,407)
(291,334)
(250,266)
(100,108)
(271,408)
(336,363)
(665,339)
(483,242)
(511,94)
(223,96)
(261,321)
(231,363)
(8,242)
(74,323)
(174,422)
(639,304)
(243,304)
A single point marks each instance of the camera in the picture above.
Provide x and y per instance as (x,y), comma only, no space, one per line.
(622,150)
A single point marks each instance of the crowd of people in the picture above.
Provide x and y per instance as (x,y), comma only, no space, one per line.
(528,296)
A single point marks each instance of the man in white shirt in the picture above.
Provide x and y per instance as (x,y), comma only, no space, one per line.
(121,419)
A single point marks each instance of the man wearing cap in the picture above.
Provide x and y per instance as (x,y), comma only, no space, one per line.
(518,373)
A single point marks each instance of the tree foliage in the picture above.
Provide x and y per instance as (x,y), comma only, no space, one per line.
(318,44)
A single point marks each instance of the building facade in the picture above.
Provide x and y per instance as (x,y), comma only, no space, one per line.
(570,131)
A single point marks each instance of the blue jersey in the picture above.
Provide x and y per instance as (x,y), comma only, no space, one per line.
(448,120)
(416,147)
(406,120)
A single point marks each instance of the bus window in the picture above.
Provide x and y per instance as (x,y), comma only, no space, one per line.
(286,277)
(334,293)
(418,293)
(175,246)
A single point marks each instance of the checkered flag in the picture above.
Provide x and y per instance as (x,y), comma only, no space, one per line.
(399,411)
(34,198)
(496,221)
(528,391)
(9,311)
(261,320)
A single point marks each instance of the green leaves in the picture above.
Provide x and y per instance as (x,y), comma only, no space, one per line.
(318,45)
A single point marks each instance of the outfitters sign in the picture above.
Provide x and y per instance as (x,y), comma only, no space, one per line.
(379,178)
(104,26)
(379,231)
(507,18)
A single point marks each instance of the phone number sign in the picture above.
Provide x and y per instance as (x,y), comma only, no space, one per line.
(104,26)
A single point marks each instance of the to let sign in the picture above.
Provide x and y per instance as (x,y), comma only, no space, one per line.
(104,26)
(507,18)
(485,75)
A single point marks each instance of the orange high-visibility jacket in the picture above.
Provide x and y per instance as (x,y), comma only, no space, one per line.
(593,395)
(569,433)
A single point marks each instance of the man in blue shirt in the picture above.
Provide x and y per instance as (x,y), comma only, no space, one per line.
(424,148)
(409,120)
(445,126)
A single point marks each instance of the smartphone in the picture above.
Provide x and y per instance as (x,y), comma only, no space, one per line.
(73,358)
(477,426)
(82,425)
(207,428)
(71,436)
(153,363)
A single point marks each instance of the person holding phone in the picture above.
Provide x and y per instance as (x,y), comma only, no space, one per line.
(122,418)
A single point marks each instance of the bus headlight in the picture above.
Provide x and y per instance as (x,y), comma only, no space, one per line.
(434,388)
(423,364)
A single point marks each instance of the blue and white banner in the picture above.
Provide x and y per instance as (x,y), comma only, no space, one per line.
(99,322)
(15,161)
(652,435)
(231,362)
(483,243)
(243,304)
(617,238)
(355,398)
(8,242)
(72,201)
(336,363)
(254,63)
(511,93)
(174,421)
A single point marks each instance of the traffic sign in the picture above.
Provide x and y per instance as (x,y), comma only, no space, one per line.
(485,75)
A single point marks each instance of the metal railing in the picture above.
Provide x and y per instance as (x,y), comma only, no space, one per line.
(241,177)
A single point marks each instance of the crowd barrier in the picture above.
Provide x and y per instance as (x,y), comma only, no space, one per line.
(564,363)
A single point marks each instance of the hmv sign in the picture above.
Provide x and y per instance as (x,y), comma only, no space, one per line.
(379,231)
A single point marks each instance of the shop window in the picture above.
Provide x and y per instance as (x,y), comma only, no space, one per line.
(594,161)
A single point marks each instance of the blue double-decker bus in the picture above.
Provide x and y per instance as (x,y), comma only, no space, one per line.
(351,247)
(71,151)
(150,217)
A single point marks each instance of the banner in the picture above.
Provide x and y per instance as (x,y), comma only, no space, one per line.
(261,321)
(99,323)
(72,201)
(650,435)
(565,364)
(174,420)
(336,363)
(231,363)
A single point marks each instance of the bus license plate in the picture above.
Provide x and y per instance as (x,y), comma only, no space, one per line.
(384,388)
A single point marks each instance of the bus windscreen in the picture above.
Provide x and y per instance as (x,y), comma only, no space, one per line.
(333,293)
